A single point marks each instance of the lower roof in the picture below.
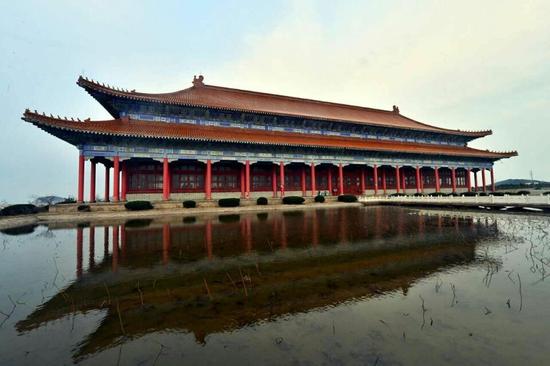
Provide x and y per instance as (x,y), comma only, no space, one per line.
(126,127)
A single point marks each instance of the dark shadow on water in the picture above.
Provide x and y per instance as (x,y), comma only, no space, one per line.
(262,216)
(189,220)
(136,223)
(20,230)
(229,218)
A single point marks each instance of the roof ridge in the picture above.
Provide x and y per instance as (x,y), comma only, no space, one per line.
(290,97)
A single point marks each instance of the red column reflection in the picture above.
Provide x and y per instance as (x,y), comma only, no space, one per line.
(208,238)
(79,236)
(314,228)
(115,249)
(105,242)
(123,241)
(248,237)
(91,259)
(284,242)
(166,243)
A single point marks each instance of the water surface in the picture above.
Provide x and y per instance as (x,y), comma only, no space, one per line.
(375,285)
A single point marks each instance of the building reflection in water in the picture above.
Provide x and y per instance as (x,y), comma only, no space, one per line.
(257,267)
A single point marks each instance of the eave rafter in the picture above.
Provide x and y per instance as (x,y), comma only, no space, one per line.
(125,127)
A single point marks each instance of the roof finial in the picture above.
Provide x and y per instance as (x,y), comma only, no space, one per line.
(198,81)
(395,109)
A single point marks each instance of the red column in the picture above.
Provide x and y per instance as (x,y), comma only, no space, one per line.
(384,184)
(124,183)
(468,180)
(282,176)
(397,183)
(80,194)
(453,179)
(417,179)
(165,179)
(107,181)
(483,180)
(92,180)
(421,181)
(208,180)
(492,180)
(363,185)
(247,179)
(375,180)
(303,181)
(437,188)
(340,179)
(313,182)
(243,189)
(274,180)
(329,180)
(116,174)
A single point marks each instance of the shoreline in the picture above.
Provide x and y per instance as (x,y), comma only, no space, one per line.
(115,213)
(78,217)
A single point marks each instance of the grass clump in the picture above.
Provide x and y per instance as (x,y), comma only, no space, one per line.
(138,205)
(319,199)
(293,200)
(189,204)
(347,198)
(19,209)
(229,202)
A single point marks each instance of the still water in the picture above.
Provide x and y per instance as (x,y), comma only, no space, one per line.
(384,286)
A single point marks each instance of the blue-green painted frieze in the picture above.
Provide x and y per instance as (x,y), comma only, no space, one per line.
(318,156)
(204,116)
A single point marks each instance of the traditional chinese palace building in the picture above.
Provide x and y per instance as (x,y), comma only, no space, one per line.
(209,142)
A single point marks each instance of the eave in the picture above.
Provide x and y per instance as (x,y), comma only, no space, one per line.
(126,127)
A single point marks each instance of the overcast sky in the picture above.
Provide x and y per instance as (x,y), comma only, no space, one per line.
(457,64)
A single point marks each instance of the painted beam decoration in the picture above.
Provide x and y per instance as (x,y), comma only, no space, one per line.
(214,141)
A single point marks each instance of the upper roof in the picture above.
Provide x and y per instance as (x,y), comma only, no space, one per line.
(211,96)
(180,131)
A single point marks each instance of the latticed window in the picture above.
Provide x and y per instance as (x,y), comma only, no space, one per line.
(390,179)
(145,178)
(410,178)
(225,182)
(187,177)
(184,182)
(293,181)
(428,178)
(460,178)
(262,182)
(261,177)
(445,179)
(226,177)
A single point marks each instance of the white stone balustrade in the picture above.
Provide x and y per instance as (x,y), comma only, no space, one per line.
(504,200)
